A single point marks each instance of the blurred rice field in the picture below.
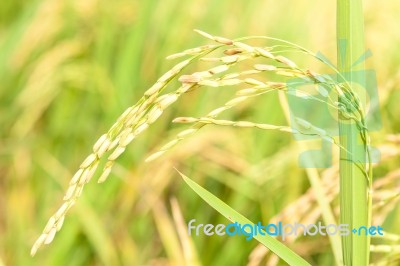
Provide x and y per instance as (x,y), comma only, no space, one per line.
(69,68)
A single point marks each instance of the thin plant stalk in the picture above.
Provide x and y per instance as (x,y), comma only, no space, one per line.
(355,209)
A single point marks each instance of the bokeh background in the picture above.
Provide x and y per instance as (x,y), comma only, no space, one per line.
(68,68)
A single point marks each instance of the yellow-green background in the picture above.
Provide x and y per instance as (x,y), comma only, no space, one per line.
(69,68)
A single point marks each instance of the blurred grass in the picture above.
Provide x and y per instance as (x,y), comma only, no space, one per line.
(69,68)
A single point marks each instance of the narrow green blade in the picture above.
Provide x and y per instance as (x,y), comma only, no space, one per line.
(271,243)
(354,207)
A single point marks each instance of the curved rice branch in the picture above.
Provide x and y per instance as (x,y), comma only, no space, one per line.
(243,124)
(344,90)
(150,107)
(314,131)
(131,123)
(340,89)
(231,79)
(353,101)
(241,47)
(243,95)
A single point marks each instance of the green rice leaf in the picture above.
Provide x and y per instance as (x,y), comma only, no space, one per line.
(271,243)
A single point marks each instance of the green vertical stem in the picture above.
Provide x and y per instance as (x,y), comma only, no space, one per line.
(355,207)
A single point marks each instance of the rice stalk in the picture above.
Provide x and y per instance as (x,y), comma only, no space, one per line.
(130,124)
(137,118)
(315,131)
(355,186)
(243,95)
